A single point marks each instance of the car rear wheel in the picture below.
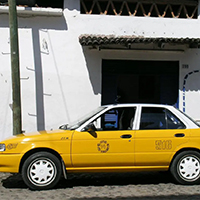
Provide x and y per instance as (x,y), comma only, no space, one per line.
(185,167)
(41,171)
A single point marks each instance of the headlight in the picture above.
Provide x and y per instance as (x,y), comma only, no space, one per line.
(2,147)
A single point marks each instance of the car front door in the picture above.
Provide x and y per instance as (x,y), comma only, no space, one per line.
(160,134)
(109,143)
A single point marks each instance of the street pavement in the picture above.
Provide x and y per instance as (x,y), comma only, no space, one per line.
(123,186)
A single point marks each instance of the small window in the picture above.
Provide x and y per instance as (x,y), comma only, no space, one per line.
(173,122)
(116,119)
(159,118)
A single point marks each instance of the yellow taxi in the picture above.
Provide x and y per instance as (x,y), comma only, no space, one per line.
(113,138)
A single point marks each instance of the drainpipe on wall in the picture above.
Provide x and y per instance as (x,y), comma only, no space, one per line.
(14,47)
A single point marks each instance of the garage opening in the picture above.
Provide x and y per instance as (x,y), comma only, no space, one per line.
(134,81)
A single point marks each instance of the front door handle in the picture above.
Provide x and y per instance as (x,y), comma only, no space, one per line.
(126,136)
(179,135)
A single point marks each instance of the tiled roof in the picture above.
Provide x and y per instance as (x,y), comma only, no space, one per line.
(90,40)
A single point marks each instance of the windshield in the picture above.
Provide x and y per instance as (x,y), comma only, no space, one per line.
(82,120)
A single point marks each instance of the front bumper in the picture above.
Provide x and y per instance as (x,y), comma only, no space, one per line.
(10,162)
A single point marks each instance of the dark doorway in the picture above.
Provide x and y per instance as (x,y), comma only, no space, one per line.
(130,81)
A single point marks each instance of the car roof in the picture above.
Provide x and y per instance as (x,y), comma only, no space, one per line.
(136,104)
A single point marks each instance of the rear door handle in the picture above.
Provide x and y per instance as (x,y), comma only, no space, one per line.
(179,135)
(126,136)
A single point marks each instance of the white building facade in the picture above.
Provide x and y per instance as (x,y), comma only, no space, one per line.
(86,53)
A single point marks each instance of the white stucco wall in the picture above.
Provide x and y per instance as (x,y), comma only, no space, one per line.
(61,80)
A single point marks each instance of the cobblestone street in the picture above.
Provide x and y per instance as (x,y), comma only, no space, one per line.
(138,186)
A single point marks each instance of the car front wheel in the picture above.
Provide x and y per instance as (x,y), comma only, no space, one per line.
(185,167)
(41,171)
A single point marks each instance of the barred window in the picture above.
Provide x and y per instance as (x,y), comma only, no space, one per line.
(150,8)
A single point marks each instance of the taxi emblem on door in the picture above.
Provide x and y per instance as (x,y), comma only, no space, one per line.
(103,146)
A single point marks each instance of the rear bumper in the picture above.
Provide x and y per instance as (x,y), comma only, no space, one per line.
(10,162)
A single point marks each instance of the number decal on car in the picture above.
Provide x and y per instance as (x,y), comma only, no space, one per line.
(12,146)
(64,138)
(163,144)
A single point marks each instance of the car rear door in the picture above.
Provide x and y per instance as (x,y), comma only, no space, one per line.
(160,134)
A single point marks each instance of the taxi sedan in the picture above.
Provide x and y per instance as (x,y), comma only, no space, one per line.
(113,138)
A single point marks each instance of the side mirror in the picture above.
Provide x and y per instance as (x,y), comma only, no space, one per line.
(91,129)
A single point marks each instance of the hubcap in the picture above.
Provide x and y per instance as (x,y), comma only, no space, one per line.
(189,168)
(41,172)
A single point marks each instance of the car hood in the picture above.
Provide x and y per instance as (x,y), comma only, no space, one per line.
(41,135)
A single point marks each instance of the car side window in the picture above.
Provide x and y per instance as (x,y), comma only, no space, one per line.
(116,119)
(152,118)
(159,118)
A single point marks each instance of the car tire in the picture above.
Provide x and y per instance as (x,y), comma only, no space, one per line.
(185,168)
(41,171)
